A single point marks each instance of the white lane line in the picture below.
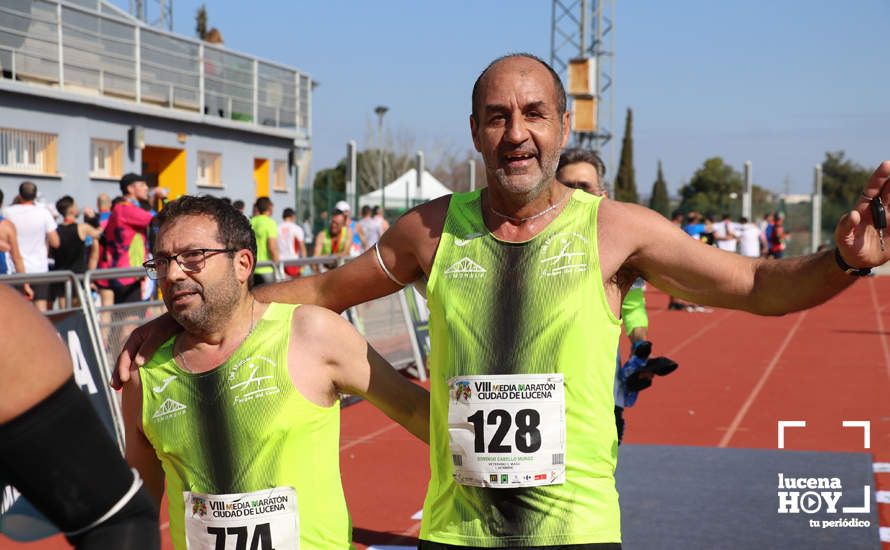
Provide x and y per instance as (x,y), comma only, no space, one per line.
(881,467)
(885,534)
(700,331)
(880,323)
(418,515)
(740,415)
(882,497)
(368,437)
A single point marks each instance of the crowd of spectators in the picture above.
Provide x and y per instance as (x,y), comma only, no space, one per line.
(764,240)
(743,236)
(37,237)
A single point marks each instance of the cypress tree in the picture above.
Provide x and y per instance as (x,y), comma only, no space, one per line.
(625,181)
(201,22)
(660,201)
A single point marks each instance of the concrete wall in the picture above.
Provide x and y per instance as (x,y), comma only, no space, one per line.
(75,124)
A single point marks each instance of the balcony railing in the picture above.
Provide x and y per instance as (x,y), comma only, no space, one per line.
(64,45)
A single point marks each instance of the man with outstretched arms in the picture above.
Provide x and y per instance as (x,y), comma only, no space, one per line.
(240,412)
(525,283)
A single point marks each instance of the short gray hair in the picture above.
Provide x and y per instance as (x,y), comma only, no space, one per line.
(577,154)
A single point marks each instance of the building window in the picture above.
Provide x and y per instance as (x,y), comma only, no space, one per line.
(209,169)
(106,158)
(31,152)
(279,174)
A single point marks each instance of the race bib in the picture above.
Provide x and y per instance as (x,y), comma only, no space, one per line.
(262,520)
(508,430)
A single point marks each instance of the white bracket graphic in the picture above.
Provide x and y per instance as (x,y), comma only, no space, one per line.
(866,503)
(866,429)
(782,424)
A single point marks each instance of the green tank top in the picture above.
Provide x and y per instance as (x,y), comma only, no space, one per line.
(535,315)
(327,246)
(243,428)
(633,308)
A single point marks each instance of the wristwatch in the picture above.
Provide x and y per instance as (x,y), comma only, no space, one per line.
(849,269)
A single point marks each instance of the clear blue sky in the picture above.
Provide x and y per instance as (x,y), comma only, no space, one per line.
(777,83)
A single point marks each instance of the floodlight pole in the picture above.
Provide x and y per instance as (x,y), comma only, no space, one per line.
(749,191)
(381,110)
(816,231)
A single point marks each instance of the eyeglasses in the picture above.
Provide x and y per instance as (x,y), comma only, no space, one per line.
(190,261)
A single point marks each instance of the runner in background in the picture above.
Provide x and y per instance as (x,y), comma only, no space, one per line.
(53,447)
(125,242)
(36,232)
(584,169)
(726,234)
(369,228)
(266,232)
(355,247)
(291,242)
(10,256)
(333,240)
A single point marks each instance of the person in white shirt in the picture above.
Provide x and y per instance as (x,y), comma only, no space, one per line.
(291,241)
(36,229)
(369,228)
(726,234)
(749,239)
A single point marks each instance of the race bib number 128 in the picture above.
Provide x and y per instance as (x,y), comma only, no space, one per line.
(507,430)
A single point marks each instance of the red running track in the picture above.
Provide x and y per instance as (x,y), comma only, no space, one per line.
(739,374)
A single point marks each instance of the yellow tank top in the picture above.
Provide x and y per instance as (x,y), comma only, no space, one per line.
(243,429)
(523,444)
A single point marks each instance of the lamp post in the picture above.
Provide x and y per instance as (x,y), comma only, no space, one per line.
(380,110)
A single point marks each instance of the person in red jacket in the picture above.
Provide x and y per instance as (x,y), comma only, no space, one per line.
(125,242)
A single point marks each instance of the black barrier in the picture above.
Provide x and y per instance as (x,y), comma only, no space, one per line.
(74,332)
(417,316)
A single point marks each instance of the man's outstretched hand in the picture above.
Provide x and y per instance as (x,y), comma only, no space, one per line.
(857,239)
(141,345)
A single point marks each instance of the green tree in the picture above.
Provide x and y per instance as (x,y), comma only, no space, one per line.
(842,182)
(201,22)
(328,187)
(660,201)
(329,184)
(711,187)
(625,181)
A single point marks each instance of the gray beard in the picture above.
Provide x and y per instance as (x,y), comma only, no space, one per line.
(525,196)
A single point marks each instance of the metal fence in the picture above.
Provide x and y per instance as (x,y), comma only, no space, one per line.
(94,52)
(385,322)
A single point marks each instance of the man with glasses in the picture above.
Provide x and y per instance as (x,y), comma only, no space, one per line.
(241,411)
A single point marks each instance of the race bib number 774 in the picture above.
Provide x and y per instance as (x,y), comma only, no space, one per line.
(262,520)
(507,431)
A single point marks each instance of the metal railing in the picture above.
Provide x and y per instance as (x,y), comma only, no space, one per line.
(72,47)
(386,322)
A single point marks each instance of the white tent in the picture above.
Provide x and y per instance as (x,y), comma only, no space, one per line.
(405,191)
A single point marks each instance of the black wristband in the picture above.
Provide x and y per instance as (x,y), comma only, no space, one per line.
(849,269)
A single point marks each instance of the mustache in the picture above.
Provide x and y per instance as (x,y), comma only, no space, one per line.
(185,287)
(504,152)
